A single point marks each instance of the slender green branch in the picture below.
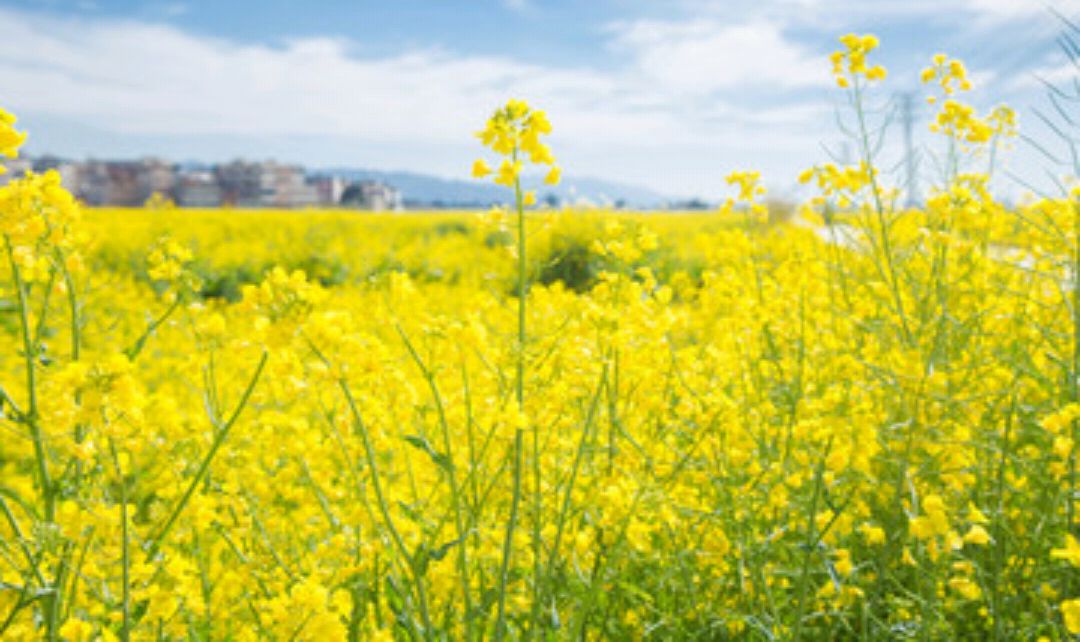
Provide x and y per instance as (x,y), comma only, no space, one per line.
(43,312)
(219,439)
(384,507)
(812,540)
(6,398)
(31,414)
(455,491)
(133,351)
(125,544)
(564,511)
(35,565)
(73,305)
(511,525)
(879,209)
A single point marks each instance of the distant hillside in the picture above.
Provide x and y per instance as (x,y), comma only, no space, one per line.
(423,189)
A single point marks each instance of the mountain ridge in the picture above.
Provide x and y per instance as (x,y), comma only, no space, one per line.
(427,189)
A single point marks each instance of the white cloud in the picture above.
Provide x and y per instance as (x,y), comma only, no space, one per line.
(1060,75)
(141,79)
(1004,9)
(828,13)
(137,77)
(703,56)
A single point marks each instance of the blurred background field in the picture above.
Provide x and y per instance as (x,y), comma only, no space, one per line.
(335,247)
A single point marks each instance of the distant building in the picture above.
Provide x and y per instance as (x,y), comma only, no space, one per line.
(92,183)
(155,176)
(372,195)
(330,189)
(199,189)
(16,167)
(286,186)
(69,171)
(121,183)
(239,183)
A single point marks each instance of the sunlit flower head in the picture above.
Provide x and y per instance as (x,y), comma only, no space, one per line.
(10,138)
(514,131)
(850,63)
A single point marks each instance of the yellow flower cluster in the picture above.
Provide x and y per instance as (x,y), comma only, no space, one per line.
(514,132)
(949,73)
(10,138)
(750,190)
(1002,120)
(39,222)
(166,261)
(959,120)
(842,183)
(850,63)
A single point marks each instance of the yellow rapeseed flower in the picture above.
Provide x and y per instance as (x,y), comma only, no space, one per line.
(480,168)
(873,535)
(515,132)
(76,630)
(508,172)
(850,63)
(1070,611)
(10,138)
(977,535)
(1070,552)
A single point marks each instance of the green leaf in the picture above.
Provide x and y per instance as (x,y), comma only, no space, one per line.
(421,443)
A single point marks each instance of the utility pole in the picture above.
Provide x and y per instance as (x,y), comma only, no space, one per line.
(907,112)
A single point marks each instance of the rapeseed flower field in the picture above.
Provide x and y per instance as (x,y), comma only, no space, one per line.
(857,424)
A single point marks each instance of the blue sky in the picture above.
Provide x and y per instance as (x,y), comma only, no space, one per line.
(669,95)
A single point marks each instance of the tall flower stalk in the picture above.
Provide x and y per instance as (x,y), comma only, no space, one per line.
(514,132)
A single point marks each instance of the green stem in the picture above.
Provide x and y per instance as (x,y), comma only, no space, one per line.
(511,525)
(522,292)
(125,553)
(879,209)
(43,313)
(384,508)
(73,305)
(21,539)
(579,457)
(133,351)
(30,417)
(31,414)
(811,544)
(455,493)
(508,541)
(219,439)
